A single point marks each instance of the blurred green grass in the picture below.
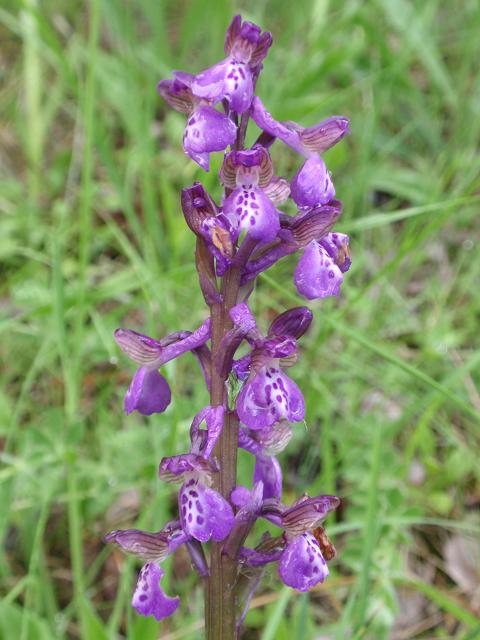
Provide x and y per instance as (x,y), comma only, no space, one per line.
(91,238)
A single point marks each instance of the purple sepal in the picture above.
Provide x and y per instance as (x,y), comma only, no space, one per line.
(293,322)
(148,598)
(248,208)
(245,42)
(325,134)
(316,274)
(204,513)
(197,206)
(207,130)
(268,397)
(177,92)
(302,564)
(312,186)
(148,393)
(307,513)
(269,472)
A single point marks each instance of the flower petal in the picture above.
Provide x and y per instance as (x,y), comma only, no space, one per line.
(148,598)
(316,274)
(249,208)
(148,393)
(238,88)
(210,83)
(325,134)
(207,130)
(142,349)
(302,564)
(204,513)
(264,120)
(312,185)
(268,397)
(268,470)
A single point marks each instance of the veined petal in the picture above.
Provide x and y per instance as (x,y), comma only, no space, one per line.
(277,190)
(316,274)
(177,92)
(274,439)
(207,130)
(148,598)
(173,468)
(142,349)
(307,513)
(268,397)
(302,564)
(252,211)
(152,547)
(314,224)
(148,392)
(312,185)
(325,134)
(204,513)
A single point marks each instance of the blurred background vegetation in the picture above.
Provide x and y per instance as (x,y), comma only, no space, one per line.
(92,237)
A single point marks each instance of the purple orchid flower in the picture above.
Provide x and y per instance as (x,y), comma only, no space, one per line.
(255,192)
(148,598)
(319,272)
(303,551)
(149,391)
(233,78)
(207,129)
(269,395)
(311,186)
(204,513)
(302,564)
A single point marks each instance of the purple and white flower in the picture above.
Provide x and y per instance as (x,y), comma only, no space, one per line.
(149,391)
(204,513)
(233,78)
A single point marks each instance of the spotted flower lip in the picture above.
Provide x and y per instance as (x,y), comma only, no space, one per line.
(249,206)
(148,598)
(204,513)
(207,129)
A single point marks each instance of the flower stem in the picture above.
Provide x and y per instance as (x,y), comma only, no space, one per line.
(220,596)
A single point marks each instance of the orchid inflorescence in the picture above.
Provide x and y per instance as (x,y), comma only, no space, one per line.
(251,396)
